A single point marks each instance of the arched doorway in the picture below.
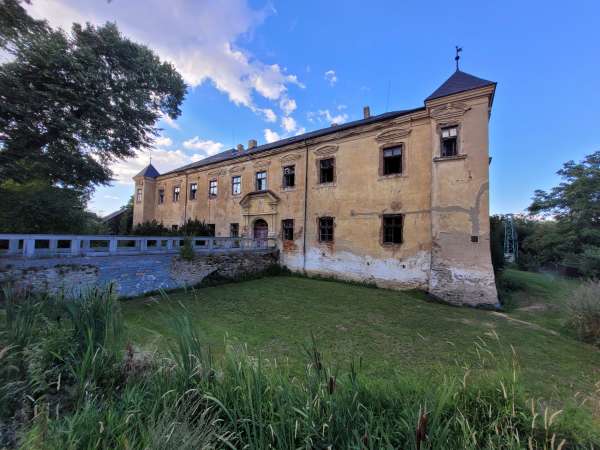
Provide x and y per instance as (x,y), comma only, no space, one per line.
(261,231)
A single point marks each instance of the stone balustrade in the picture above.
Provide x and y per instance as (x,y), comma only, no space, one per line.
(53,245)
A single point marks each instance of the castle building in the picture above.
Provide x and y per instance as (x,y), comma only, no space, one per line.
(400,199)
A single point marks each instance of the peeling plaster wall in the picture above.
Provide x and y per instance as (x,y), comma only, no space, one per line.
(444,201)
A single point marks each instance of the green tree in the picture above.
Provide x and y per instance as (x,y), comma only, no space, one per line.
(72,103)
(572,238)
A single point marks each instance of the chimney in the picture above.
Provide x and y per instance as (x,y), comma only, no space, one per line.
(251,143)
(240,147)
(333,124)
(366,112)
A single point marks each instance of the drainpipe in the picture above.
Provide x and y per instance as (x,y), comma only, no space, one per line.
(305,207)
(186,200)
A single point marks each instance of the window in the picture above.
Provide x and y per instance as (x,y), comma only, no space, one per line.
(161,196)
(176,191)
(212,188)
(287,229)
(289,176)
(193,191)
(326,170)
(449,146)
(211,229)
(261,181)
(475,239)
(392,160)
(139,195)
(236,185)
(392,229)
(234,230)
(325,229)
(174,227)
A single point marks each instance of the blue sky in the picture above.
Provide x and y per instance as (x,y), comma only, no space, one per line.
(273,69)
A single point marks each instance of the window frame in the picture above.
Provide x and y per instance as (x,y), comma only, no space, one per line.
(320,162)
(236,226)
(213,183)
(320,226)
(455,138)
(285,176)
(382,159)
(238,184)
(161,196)
(287,226)
(176,193)
(384,228)
(256,180)
(193,191)
(138,195)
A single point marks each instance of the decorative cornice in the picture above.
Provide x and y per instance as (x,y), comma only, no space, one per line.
(219,172)
(393,134)
(449,110)
(262,164)
(271,197)
(326,150)
(237,169)
(290,158)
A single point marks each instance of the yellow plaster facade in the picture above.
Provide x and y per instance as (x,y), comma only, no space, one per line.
(442,200)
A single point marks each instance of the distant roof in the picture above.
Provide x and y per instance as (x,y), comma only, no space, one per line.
(149,171)
(114,214)
(233,153)
(459,82)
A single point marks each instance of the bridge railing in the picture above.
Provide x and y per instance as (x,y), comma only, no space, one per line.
(51,245)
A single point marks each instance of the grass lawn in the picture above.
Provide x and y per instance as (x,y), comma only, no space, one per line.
(391,332)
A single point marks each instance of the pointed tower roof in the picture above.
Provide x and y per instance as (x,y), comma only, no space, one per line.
(148,172)
(459,82)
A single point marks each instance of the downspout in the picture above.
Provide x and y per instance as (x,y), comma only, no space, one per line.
(305,207)
(186,200)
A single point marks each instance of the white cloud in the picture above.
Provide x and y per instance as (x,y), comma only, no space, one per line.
(300,130)
(170,122)
(207,147)
(269,114)
(271,136)
(200,38)
(288,124)
(325,116)
(287,105)
(163,160)
(331,77)
(163,141)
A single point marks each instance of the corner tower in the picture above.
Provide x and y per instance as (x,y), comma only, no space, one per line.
(461,266)
(143,195)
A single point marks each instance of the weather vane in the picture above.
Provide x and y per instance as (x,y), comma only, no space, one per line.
(457,57)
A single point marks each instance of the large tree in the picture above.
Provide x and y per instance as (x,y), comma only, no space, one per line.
(573,238)
(70,103)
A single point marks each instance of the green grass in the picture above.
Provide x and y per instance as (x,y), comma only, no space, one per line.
(391,332)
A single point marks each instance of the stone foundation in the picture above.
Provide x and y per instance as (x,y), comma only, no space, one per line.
(132,275)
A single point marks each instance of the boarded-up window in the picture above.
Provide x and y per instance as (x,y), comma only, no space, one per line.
(392,160)
(326,229)
(289,176)
(449,145)
(287,229)
(392,228)
(327,170)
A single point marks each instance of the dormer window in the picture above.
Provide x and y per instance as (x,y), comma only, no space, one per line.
(449,144)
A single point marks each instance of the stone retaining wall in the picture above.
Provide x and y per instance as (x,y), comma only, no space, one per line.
(132,275)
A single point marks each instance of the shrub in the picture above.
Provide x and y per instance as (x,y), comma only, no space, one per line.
(584,312)
(186,251)
(150,228)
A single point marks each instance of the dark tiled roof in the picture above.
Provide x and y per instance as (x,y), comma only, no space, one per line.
(149,171)
(459,82)
(233,153)
(114,214)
